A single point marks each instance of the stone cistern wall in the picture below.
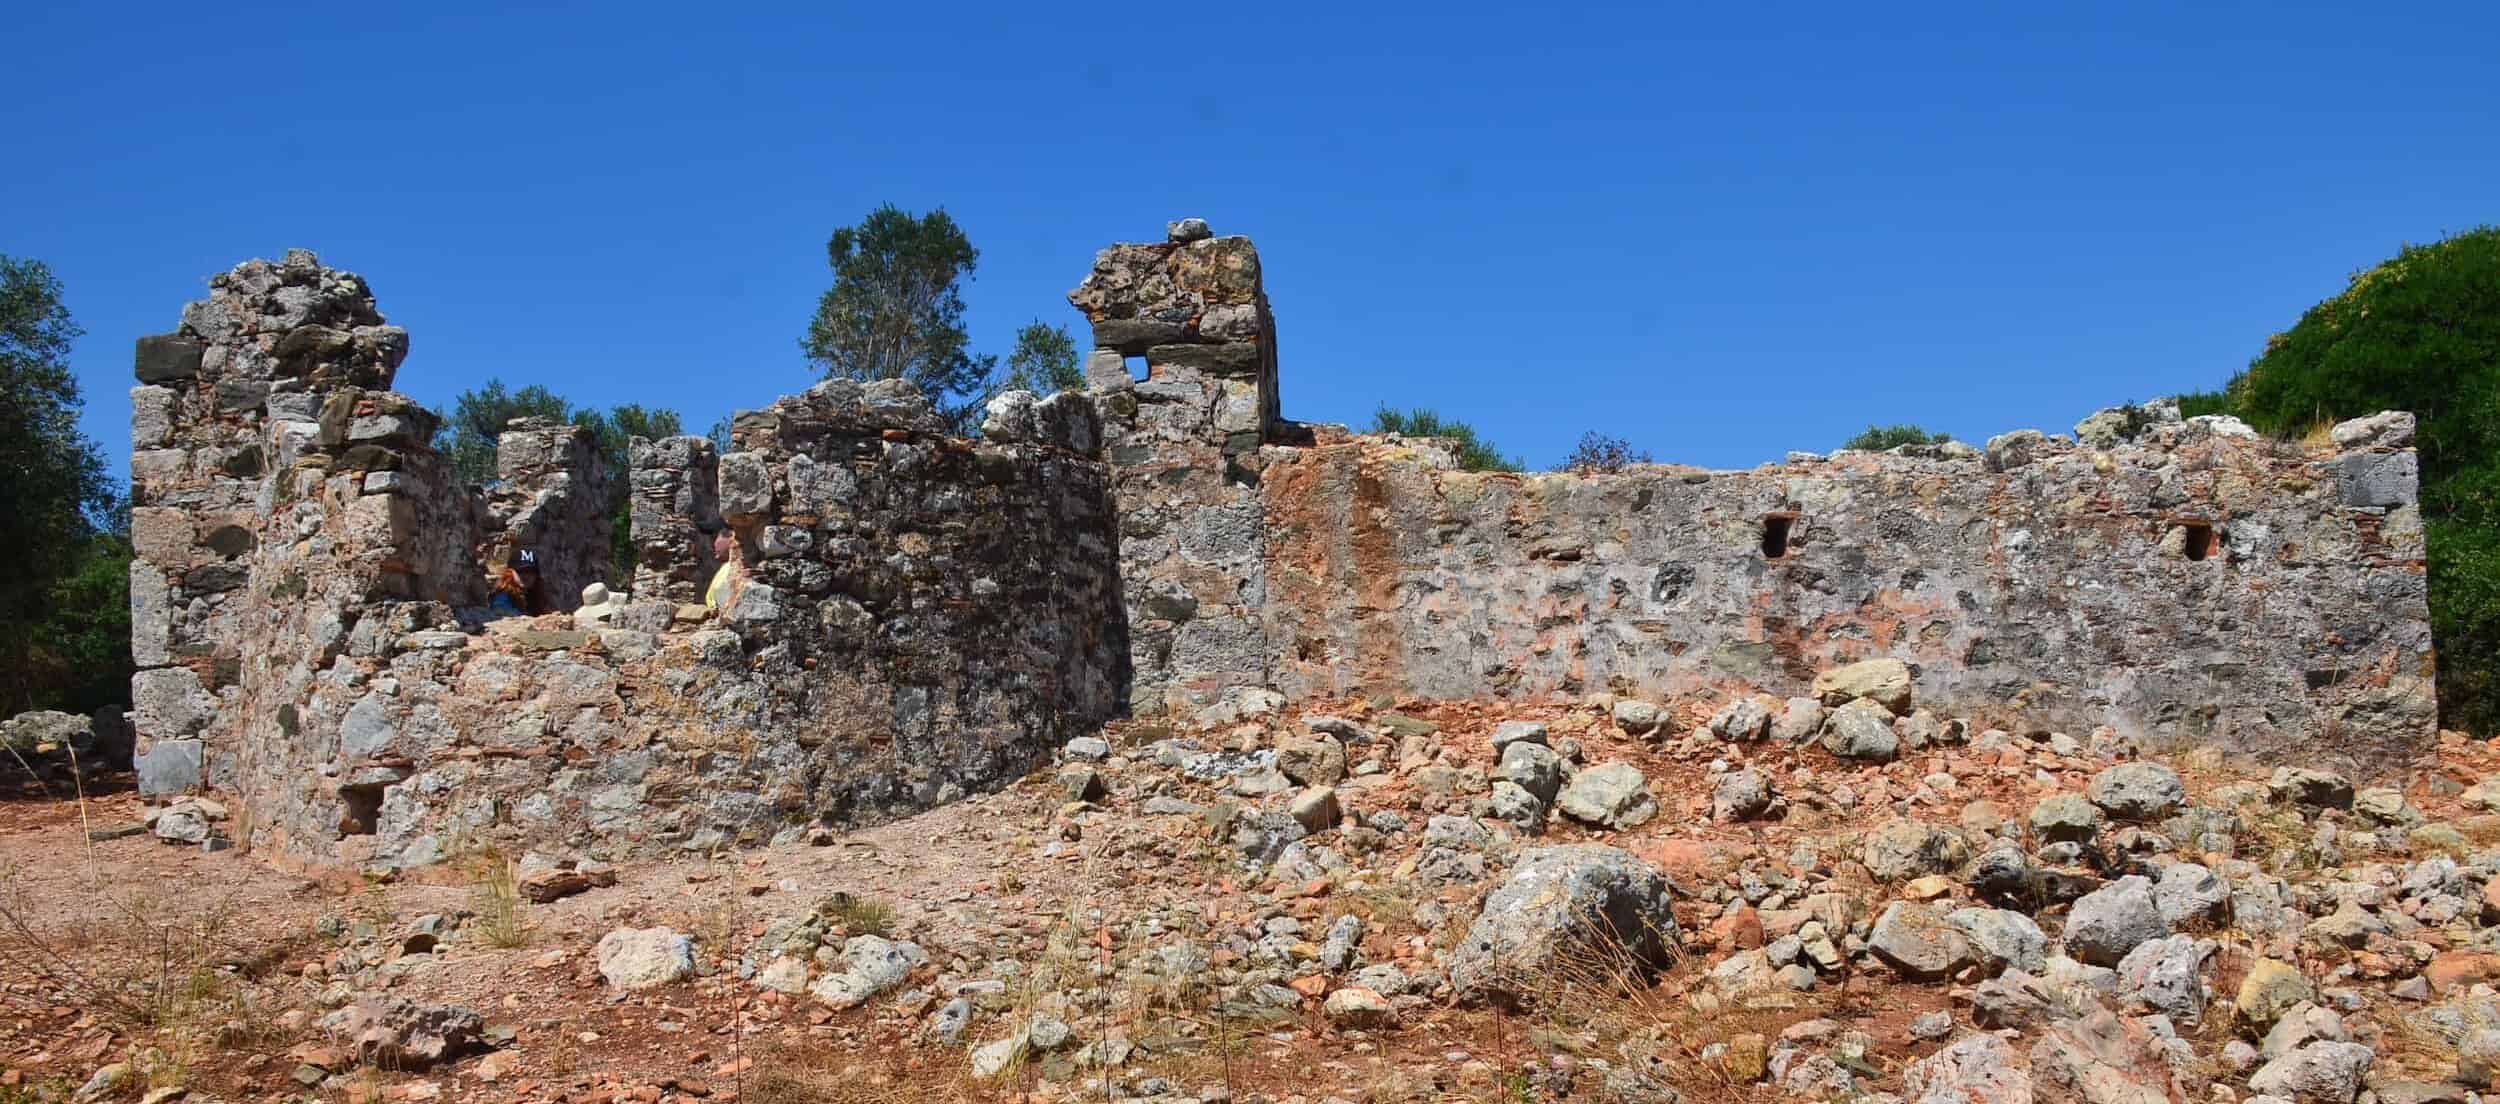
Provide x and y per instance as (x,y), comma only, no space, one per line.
(927,616)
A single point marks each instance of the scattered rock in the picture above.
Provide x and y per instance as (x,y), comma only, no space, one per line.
(1916,940)
(2003,939)
(1861,730)
(2137,791)
(873,964)
(1315,809)
(1357,1007)
(2110,921)
(1902,849)
(1615,795)
(395,1032)
(1885,682)
(2318,1073)
(643,958)
(1976,1069)
(1558,903)
(2317,788)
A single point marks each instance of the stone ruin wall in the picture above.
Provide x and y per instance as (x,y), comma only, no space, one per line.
(925,617)
(928,616)
(2191,583)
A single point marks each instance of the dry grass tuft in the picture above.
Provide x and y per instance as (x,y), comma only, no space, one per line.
(862,915)
(496,882)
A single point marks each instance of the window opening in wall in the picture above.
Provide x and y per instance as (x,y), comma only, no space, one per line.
(1775,535)
(361,810)
(1137,368)
(2201,540)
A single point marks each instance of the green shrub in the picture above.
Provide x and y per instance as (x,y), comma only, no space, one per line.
(1879,438)
(1474,452)
(2419,332)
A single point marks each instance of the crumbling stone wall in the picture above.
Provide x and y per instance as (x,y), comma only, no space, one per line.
(260,373)
(674,505)
(2179,581)
(1184,443)
(550,497)
(2194,586)
(922,616)
(918,616)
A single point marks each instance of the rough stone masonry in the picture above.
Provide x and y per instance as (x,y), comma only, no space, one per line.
(2181,581)
(922,616)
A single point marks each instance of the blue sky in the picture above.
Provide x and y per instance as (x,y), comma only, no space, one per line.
(1718,233)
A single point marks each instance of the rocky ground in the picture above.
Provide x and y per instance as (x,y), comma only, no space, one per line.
(1835,897)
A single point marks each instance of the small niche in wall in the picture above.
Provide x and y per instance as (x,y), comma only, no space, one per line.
(1775,534)
(360,810)
(2201,540)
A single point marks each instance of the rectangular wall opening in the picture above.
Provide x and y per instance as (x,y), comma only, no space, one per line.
(2202,541)
(1775,529)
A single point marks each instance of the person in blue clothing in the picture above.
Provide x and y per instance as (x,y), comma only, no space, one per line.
(516,590)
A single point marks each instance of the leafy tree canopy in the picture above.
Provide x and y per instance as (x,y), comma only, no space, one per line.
(1474,452)
(60,514)
(1044,361)
(895,310)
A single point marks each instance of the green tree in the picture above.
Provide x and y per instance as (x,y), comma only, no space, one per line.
(2418,332)
(82,648)
(1879,438)
(54,495)
(895,310)
(478,419)
(1044,361)
(1474,452)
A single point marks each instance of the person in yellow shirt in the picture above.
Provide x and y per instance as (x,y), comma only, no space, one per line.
(730,578)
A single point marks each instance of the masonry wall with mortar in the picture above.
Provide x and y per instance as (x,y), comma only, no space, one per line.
(923,616)
(2193,583)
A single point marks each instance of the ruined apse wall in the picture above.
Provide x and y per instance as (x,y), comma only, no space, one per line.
(2194,584)
(926,616)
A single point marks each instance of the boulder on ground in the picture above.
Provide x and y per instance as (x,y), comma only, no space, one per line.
(1564,911)
(2271,989)
(1885,682)
(872,964)
(1976,1069)
(643,958)
(394,1032)
(2302,786)
(1916,940)
(1898,850)
(2323,1072)
(1861,730)
(1615,795)
(2110,921)
(2137,791)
